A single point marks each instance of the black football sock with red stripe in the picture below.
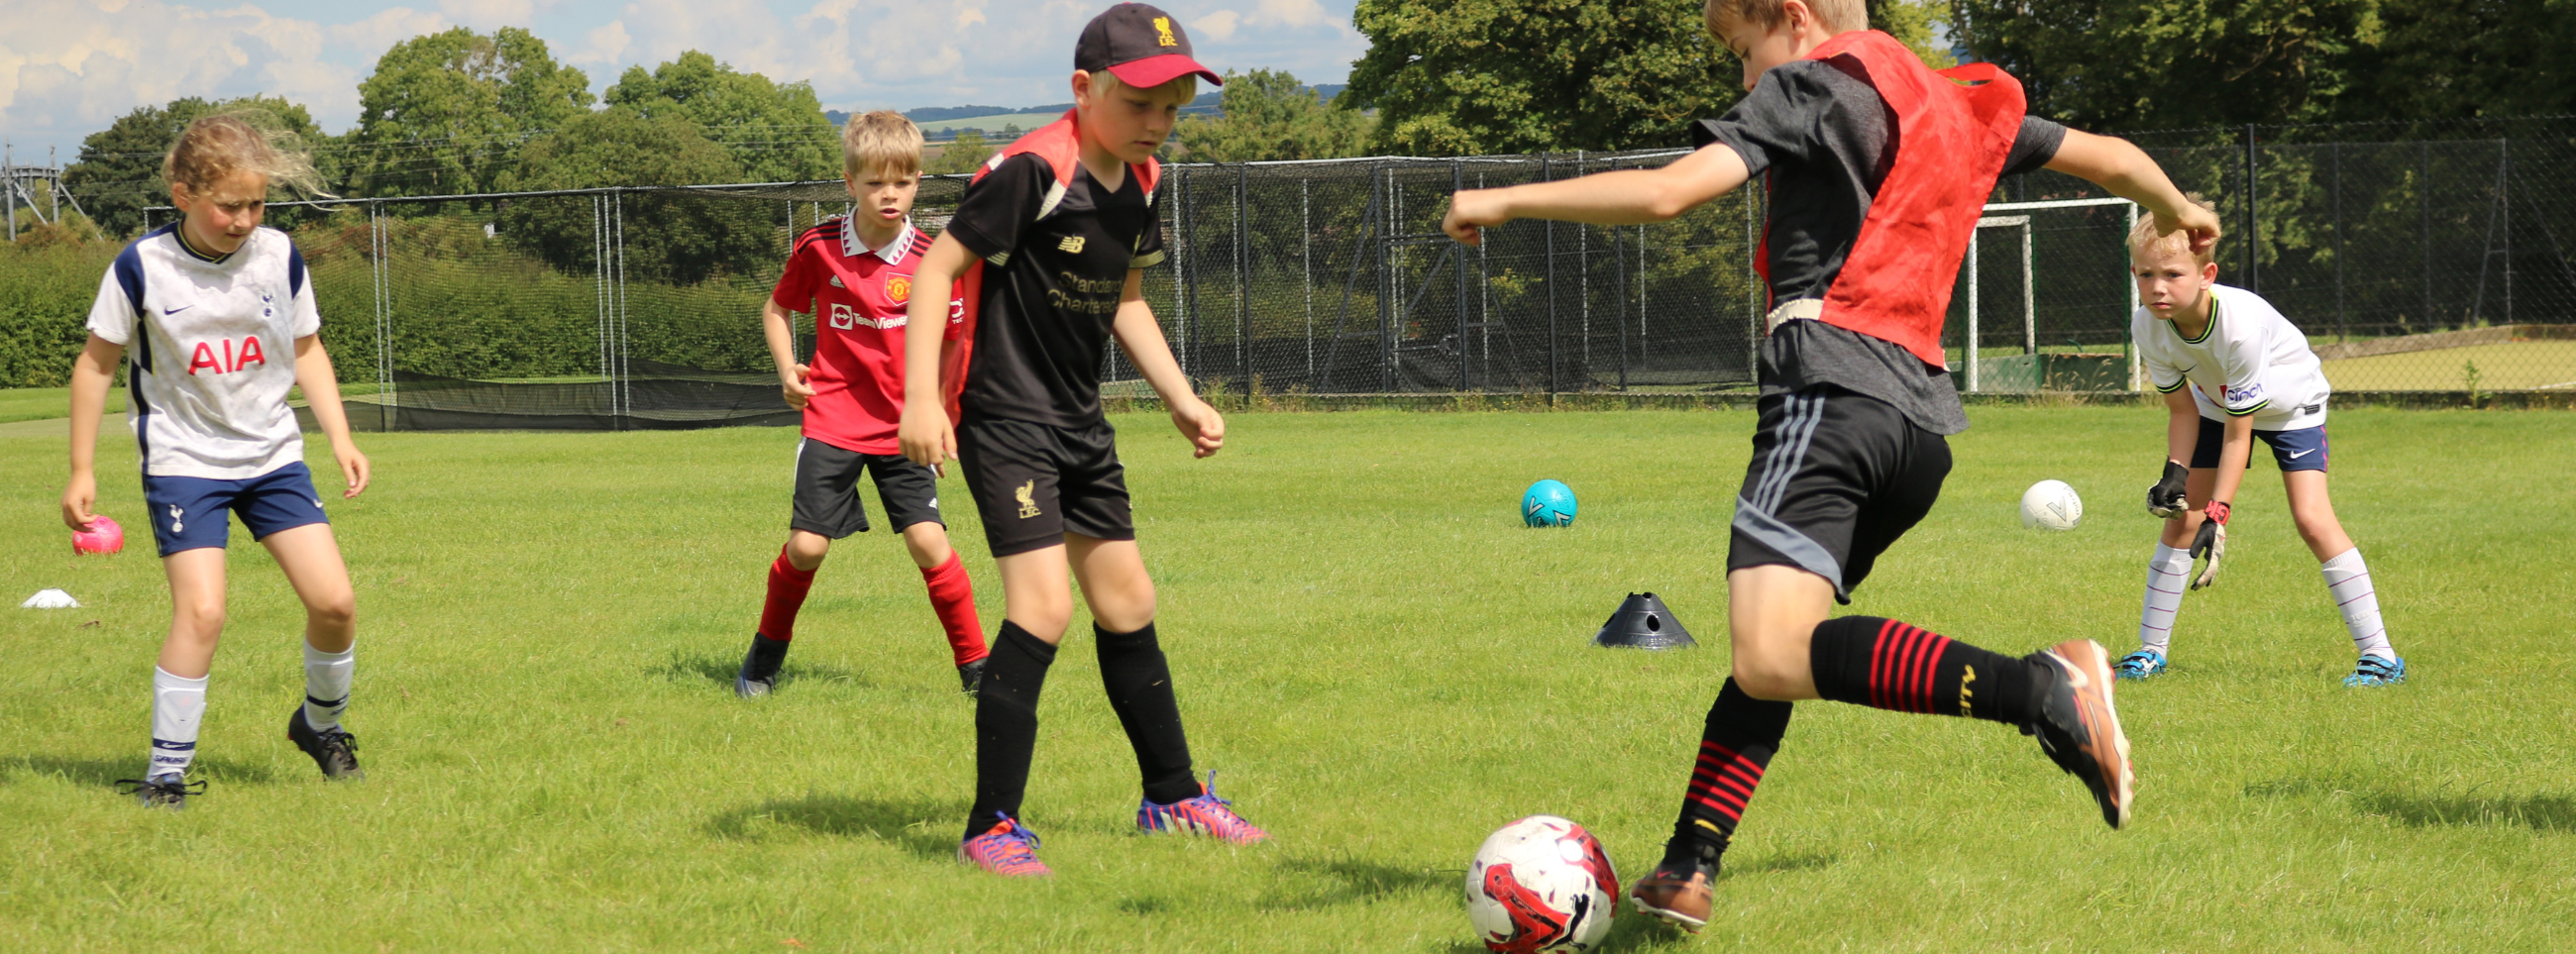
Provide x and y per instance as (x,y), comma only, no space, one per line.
(1885,664)
(1742,734)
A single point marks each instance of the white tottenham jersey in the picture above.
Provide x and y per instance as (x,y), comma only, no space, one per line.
(212,346)
(2249,361)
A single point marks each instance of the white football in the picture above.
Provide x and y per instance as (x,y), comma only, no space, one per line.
(1541,884)
(2051,505)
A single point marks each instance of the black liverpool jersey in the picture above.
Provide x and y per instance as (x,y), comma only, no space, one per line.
(1051,287)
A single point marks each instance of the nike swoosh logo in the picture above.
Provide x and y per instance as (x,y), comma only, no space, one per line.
(2303,453)
(173,311)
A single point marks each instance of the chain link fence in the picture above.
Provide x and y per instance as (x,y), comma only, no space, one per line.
(2415,264)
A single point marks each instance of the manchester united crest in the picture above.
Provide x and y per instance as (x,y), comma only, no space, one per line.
(899,289)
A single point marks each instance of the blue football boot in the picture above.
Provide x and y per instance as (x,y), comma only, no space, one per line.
(2376,671)
(2143,664)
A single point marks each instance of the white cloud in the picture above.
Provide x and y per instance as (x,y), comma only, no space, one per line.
(68,68)
(607,45)
(388,27)
(489,15)
(1217,26)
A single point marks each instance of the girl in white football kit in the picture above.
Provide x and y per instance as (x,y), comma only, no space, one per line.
(218,316)
(2234,371)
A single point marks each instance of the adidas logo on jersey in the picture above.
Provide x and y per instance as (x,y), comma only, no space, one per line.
(836,283)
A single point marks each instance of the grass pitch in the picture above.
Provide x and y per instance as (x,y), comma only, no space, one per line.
(1380,661)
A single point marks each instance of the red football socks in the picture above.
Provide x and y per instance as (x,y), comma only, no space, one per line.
(1734,748)
(1885,664)
(787,588)
(952,596)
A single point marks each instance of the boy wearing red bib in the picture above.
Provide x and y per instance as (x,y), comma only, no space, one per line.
(1878,168)
(854,275)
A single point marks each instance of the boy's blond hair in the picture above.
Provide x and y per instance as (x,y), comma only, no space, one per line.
(1104,83)
(1838,16)
(881,141)
(2143,237)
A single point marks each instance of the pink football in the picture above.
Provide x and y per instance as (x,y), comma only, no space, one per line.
(103,536)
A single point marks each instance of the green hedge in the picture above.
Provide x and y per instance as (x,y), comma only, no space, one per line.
(45,294)
(464,305)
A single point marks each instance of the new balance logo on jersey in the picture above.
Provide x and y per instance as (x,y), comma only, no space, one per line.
(845,318)
(204,357)
(1071,243)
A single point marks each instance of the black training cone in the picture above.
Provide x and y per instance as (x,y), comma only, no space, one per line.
(1643,622)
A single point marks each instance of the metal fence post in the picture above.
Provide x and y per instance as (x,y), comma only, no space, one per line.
(1306,263)
(2424,219)
(1547,173)
(2253,218)
(1242,282)
(2342,331)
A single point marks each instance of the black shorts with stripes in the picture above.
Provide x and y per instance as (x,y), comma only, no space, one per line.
(1836,477)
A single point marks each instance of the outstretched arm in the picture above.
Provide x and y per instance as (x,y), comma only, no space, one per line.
(2114,164)
(1143,338)
(1624,197)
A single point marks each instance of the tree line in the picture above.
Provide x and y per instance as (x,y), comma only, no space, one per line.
(459,112)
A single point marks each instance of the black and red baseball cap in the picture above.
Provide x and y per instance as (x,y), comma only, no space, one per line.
(1141,45)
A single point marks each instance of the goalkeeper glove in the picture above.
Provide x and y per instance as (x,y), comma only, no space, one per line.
(2164,500)
(2210,542)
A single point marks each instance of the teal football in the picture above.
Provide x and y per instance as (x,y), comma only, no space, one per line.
(1548,503)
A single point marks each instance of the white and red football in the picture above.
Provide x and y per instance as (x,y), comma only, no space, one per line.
(1541,884)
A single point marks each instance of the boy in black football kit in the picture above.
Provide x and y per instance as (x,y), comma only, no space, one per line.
(1878,168)
(1051,239)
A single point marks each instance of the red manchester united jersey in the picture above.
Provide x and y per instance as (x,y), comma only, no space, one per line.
(859,299)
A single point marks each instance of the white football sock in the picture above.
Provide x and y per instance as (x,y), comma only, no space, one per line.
(326,685)
(2349,580)
(178,705)
(2165,573)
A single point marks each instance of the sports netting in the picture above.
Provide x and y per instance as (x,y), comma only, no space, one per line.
(2419,263)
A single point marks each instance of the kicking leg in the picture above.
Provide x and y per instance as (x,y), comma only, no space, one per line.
(310,555)
(1138,680)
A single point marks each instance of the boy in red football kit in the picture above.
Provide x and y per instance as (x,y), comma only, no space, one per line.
(1878,168)
(1050,243)
(855,276)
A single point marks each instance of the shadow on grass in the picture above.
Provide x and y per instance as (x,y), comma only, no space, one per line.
(684,665)
(1780,864)
(1347,881)
(926,828)
(2541,812)
(2465,810)
(106,772)
(1629,931)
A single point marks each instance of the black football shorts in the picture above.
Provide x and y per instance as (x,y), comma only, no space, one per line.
(827,490)
(1836,477)
(1034,483)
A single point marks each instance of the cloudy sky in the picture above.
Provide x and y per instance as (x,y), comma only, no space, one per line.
(70,67)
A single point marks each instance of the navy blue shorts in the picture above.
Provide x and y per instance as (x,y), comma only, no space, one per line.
(188,512)
(2302,449)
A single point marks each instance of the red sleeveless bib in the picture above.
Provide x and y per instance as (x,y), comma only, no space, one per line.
(1954,128)
(1060,144)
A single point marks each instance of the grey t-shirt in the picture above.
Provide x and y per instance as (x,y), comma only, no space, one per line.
(1822,136)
